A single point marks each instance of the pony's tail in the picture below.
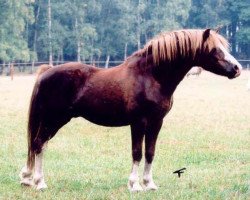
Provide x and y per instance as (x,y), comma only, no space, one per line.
(42,69)
(34,120)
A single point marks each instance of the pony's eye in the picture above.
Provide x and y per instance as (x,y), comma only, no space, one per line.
(216,52)
(213,51)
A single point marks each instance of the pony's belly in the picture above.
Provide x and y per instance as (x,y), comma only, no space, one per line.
(106,120)
(103,115)
(105,110)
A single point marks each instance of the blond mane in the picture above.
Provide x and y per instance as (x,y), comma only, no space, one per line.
(167,46)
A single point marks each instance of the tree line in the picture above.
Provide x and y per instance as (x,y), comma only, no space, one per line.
(93,30)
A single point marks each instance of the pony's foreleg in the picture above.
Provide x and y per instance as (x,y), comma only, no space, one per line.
(148,177)
(133,183)
(150,142)
(137,138)
(38,172)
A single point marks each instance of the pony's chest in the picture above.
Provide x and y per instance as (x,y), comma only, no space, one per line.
(158,99)
(150,104)
(159,107)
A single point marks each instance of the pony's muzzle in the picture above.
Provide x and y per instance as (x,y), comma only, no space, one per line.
(237,69)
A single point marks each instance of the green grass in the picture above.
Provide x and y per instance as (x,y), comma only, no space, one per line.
(207,131)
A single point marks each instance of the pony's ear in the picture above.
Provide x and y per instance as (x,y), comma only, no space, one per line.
(217,30)
(206,34)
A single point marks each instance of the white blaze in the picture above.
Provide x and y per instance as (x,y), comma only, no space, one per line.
(229,57)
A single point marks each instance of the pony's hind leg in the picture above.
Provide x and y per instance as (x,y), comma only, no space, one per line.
(47,131)
(32,174)
(38,177)
(26,176)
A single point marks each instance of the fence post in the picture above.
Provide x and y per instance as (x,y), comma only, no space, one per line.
(12,71)
(2,68)
(8,69)
(32,66)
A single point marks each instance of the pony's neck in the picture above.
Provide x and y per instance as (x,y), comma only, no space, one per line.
(170,74)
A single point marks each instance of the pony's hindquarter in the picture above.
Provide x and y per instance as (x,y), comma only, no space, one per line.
(34,120)
(34,127)
(51,107)
(44,121)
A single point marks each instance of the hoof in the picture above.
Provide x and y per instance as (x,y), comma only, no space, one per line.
(39,183)
(134,186)
(150,186)
(41,186)
(27,182)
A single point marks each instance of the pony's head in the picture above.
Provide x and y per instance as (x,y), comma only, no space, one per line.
(205,48)
(215,56)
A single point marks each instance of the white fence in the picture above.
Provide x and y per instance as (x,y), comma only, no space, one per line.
(29,67)
(245,64)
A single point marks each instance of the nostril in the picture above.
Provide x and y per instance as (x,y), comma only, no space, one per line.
(236,68)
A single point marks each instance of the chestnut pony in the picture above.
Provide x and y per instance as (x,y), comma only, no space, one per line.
(139,93)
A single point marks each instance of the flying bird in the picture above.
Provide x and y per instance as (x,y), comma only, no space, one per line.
(179,171)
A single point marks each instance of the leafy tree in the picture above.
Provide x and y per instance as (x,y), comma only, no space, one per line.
(165,15)
(233,16)
(243,35)
(16,16)
(93,30)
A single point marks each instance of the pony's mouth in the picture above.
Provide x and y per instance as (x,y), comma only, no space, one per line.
(234,74)
(237,74)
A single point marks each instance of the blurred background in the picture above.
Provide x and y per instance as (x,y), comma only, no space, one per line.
(104,33)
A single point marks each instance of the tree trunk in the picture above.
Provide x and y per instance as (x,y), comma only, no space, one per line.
(138,39)
(50,42)
(37,13)
(92,47)
(107,61)
(62,58)
(58,58)
(35,31)
(78,51)
(233,36)
(138,32)
(125,51)
(98,60)
(78,41)
(146,38)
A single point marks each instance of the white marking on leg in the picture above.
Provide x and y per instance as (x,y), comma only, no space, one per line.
(148,177)
(38,174)
(229,57)
(26,176)
(133,182)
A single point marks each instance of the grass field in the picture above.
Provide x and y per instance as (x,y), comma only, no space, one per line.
(207,131)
